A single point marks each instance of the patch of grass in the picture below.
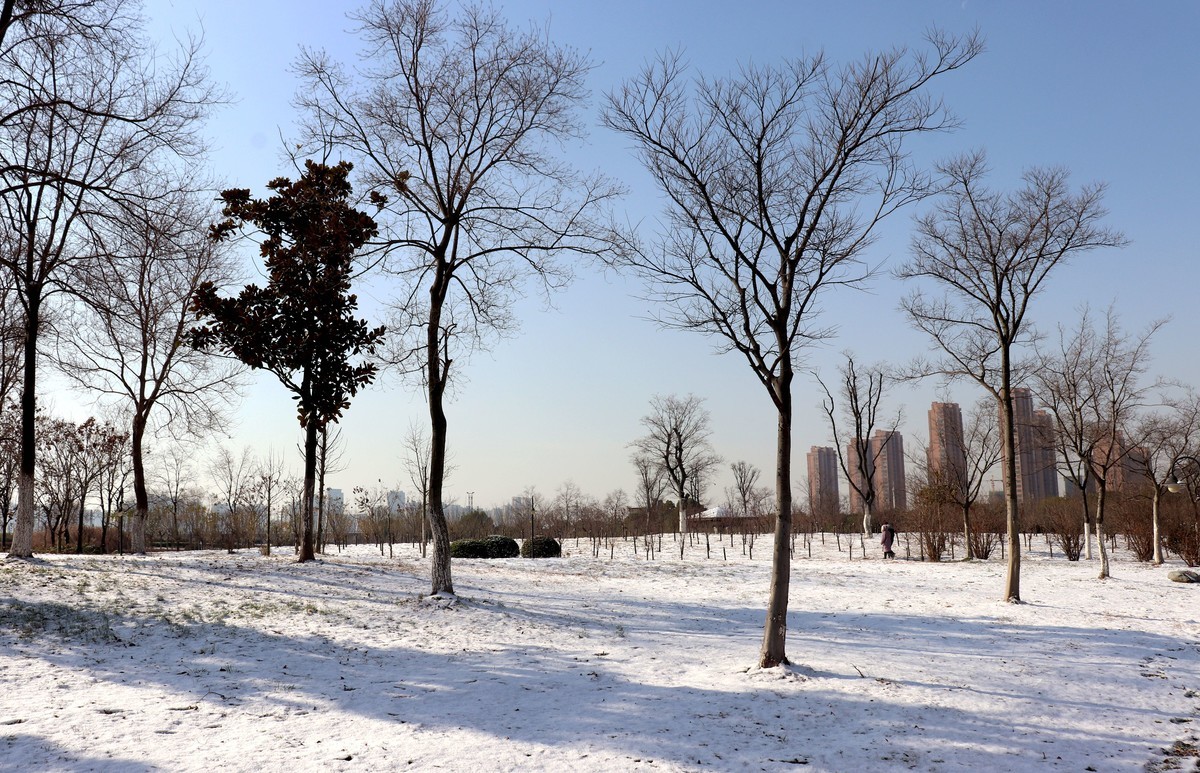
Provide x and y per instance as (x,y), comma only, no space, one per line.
(67,623)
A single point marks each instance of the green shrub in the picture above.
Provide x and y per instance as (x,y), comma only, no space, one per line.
(499,546)
(494,546)
(469,548)
(541,547)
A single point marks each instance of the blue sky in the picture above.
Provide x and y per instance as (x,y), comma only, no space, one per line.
(1109,90)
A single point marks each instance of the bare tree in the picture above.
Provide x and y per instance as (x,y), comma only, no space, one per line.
(126,343)
(860,391)
(745,483)
(677,433)
(331,451)
(567,504)
(375,514)
(452,128)
(1092,387)
(271,475)
(233,476)
(651,483)
(1065,383)
(965,475)
(10,464)
(616,507)
(1168,436)
(90,108)
(532,503)
(173,474)
(112,484)
(988,254)
(58,487)
(12,342)
(99,448)
(776,179)
(416,461)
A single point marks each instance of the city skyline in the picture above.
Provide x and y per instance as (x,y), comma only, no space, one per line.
(560,400)
(826,486)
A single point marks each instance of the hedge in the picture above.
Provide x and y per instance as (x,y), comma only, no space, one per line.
(541,547)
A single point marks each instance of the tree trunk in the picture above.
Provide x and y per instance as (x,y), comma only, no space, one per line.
(324,445)
(1100,503)
(79,531)
(1087,519)
(1012,584)
(683,525)
(441,580)
(774,643)
(23,525)
(269,487)
(310,478)
(867,525)
(1158,554)
(966,511)
(140,498)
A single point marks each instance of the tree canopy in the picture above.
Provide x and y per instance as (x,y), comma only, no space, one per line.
(301,325)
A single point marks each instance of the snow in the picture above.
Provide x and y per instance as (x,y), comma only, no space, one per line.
(210,661)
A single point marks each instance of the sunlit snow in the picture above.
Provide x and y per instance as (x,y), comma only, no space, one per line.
(209,661)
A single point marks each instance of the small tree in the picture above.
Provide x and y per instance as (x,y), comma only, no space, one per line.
(10,458)
(775,180)
(651,484)
(1167,435)
(89,111)
(125,342)
(967,473)
(1092,387)
(677,432)
(270,484)
(455,122)
(861,391)
(745,486)
(301,325)
(989,254)
(233,476)
(416,463)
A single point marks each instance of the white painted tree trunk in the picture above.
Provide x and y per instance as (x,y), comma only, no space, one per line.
(22,539)
(1103,551)
(1158,554)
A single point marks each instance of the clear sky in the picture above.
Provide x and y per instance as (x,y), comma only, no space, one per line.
(1108,89)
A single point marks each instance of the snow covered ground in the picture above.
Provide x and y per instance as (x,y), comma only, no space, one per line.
(213,662)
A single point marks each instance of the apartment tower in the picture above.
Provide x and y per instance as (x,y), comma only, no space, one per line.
(885,450)
(947,455)
(822,480)
(1037,473)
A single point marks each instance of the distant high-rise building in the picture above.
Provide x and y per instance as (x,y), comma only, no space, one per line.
(1037,472)
(947,454)
(822,480)
(335,501)
(1047,455)
(1130,468)
(396,501)
(885,464)
(856,475)
(891,490)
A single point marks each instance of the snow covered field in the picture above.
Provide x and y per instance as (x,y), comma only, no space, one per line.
(208,661)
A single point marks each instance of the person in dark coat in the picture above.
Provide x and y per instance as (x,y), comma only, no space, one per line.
(887,537)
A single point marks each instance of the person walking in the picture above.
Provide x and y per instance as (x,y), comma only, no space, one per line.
(887,537)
